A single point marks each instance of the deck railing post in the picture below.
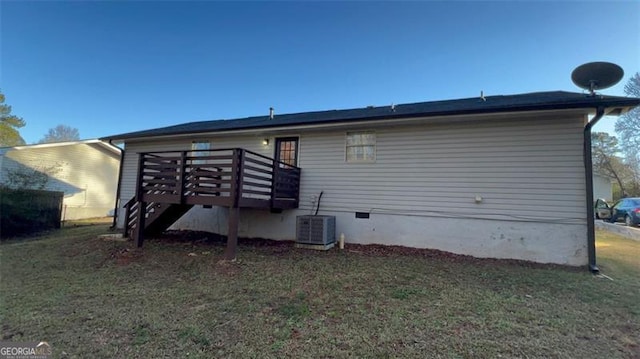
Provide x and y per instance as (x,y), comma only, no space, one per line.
(237,170)
(298,175)
(140,179)
(182,176)
(274,179)
(233,186)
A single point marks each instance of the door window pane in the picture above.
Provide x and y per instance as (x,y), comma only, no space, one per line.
(286,151)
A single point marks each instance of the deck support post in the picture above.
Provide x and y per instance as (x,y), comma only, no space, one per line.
(171,182)
(232,234)
(237,166)
(139,232)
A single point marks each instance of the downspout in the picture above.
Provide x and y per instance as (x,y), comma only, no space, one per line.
(115,210)
(588,166)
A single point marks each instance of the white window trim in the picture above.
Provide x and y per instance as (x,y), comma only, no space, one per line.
(375,147)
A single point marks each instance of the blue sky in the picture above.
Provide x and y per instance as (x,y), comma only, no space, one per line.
(114,67)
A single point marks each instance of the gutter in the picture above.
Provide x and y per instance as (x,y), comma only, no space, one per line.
(588,166)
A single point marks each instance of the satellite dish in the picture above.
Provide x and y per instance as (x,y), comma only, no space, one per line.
(597,75)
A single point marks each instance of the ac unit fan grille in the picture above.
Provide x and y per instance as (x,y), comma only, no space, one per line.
(316,229)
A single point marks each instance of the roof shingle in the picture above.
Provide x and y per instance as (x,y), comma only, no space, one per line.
(490,104)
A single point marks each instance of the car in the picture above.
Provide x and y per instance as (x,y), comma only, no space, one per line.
(626,209)
(602,209)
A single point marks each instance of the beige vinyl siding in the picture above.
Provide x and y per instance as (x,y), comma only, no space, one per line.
(422,186)
(602,187)
(523,171)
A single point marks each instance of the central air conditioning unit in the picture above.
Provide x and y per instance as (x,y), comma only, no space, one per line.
(316,230)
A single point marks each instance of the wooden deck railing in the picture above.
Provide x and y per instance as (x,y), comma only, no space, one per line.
(229,177)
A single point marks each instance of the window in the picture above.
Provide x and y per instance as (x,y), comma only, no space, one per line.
(361,147)
(287,150)
(200,145)
(619,204)
(601,204)
(200,148)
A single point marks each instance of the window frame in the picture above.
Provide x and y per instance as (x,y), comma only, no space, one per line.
(374,145)
(278,150)
(199,152)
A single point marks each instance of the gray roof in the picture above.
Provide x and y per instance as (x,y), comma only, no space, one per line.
(491,104)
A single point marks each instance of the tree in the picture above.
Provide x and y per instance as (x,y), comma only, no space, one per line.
(61,133)
(628,128)
(628,125)
(9,125)
(606,161)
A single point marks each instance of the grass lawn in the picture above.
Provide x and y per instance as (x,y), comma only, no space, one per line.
(91,298)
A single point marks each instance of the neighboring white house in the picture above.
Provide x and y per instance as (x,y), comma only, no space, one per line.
(602,187)
(86,171)
(498,176)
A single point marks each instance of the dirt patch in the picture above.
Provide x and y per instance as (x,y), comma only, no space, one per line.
(228,268)
(124,256)
(273,247)
(379,250)
(192,237)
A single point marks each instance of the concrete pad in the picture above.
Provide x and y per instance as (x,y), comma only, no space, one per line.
(318,247)
(619,228)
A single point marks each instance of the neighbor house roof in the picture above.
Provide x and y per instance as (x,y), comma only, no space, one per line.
(555,100)
(94,143)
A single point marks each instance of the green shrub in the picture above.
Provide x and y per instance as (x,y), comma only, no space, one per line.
(27,211)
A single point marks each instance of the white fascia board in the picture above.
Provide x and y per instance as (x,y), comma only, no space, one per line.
(106,145)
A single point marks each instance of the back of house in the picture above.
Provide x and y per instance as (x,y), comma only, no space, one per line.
(496,176)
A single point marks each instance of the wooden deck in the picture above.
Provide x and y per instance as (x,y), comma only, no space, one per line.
(170,183)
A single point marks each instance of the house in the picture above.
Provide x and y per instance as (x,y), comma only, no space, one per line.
(602,187)
(86,171)
(496,176)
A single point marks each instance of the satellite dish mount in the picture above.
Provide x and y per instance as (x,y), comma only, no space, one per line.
(594,76)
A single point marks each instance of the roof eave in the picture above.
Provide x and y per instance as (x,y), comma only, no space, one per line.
(107,146)
(615,106)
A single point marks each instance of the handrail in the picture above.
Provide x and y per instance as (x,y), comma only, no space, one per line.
(130,202)
(127,214)
(154,153)
(240,175)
